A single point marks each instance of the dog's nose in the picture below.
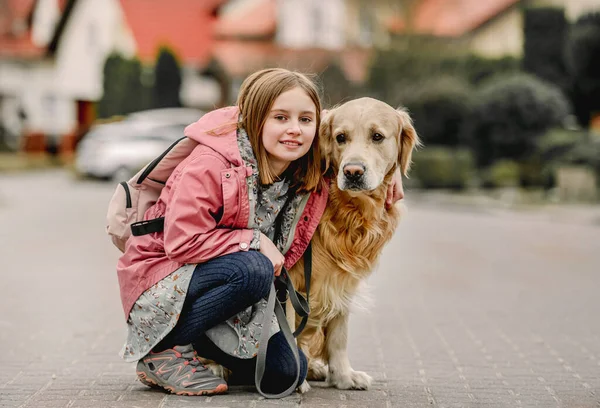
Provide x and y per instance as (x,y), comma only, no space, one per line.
(354,172)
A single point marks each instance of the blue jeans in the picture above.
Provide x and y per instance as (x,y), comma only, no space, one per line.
(219,289)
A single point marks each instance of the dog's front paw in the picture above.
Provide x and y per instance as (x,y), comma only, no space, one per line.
(353,380)
(317,370)
(304,387)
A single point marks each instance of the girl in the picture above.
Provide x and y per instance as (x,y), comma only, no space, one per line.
(242,205)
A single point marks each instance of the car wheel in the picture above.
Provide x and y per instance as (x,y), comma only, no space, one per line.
(122,174)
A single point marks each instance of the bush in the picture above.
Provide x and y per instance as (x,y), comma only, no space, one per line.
(555,143)
(545,30)
(123,89)
(509,115)
(583,59)
(503,173)
(551,151)
(393,71)
(438,108)
(587,153)
(442,167)
(476,69)
(337,88)
(167,80)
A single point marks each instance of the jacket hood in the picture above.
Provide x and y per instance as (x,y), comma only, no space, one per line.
(218,130)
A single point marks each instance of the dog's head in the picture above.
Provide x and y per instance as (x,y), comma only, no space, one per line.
(364,140)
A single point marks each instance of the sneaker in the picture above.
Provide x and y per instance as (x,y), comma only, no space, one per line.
(179,371)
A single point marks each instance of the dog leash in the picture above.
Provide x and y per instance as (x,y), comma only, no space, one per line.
(285,287)
(274,306)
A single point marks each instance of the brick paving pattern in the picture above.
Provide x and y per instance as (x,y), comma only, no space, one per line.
(469,309)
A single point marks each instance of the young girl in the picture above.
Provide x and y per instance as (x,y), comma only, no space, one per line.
(244,204)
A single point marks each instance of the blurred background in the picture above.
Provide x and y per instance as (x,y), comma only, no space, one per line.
(486,297)
(504,93)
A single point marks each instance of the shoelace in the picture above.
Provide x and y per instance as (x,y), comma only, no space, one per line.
(191,358)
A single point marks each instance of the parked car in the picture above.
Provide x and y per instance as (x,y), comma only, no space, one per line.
(117,151)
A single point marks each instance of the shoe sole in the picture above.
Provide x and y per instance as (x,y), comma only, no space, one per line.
(150,382)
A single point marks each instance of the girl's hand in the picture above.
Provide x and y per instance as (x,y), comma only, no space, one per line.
(268,249)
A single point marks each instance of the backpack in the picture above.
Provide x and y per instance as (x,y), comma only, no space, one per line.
(132,198)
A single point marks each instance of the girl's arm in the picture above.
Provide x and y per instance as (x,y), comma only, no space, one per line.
(191,218)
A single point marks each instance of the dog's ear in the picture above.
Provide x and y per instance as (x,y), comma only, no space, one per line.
(408,140)
(326,142)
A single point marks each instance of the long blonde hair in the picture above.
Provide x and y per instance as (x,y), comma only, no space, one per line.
(256,97)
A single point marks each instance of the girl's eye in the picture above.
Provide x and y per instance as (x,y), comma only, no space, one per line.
(377,137)
(280,117)
(306,120)
(341,138)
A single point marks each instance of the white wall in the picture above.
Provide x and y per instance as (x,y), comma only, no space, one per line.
(95,29)
(311,23)
(31,87)
(502,36)
(45,17)
(48,88)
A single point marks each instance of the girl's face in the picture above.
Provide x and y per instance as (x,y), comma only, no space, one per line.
(290,128)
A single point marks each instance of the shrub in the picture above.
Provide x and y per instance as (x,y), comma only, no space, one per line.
(393,71)
(337,88)
(582,60)
(443,167)
(509,115)
(438,108)
(545,30)
(123,89)
(555,143)
(552,150)
(587,153)
(503,173)
(167,80)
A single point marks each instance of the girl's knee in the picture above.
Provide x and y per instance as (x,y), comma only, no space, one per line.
(283,374)
(255,273)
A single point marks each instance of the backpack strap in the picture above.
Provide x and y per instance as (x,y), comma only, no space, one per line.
(148,226)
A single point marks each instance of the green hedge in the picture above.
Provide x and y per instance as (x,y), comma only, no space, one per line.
(510,114)
(438,108)
(443,167)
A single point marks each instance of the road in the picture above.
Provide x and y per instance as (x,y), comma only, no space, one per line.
(468,308)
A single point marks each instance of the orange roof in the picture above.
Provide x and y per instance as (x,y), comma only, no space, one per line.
(17,44)
(250,19)
(449,18)
(20,8)
(185,26)
(240,58)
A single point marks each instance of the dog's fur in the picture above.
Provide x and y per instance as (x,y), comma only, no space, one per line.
(354,228)
(352,232)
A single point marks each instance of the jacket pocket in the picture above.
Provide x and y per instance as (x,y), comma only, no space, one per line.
(230,184)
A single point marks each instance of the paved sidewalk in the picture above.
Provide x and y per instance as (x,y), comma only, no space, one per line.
(468,309)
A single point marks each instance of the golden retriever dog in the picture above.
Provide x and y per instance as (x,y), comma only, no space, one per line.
(363,141)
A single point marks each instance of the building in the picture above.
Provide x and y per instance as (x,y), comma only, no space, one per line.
(52,54)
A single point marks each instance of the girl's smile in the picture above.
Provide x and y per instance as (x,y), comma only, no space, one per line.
(290,128)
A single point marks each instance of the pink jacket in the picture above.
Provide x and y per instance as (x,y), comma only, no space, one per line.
(206,208)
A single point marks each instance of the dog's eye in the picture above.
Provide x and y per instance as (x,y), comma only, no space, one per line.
(341,138)
(378,137)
